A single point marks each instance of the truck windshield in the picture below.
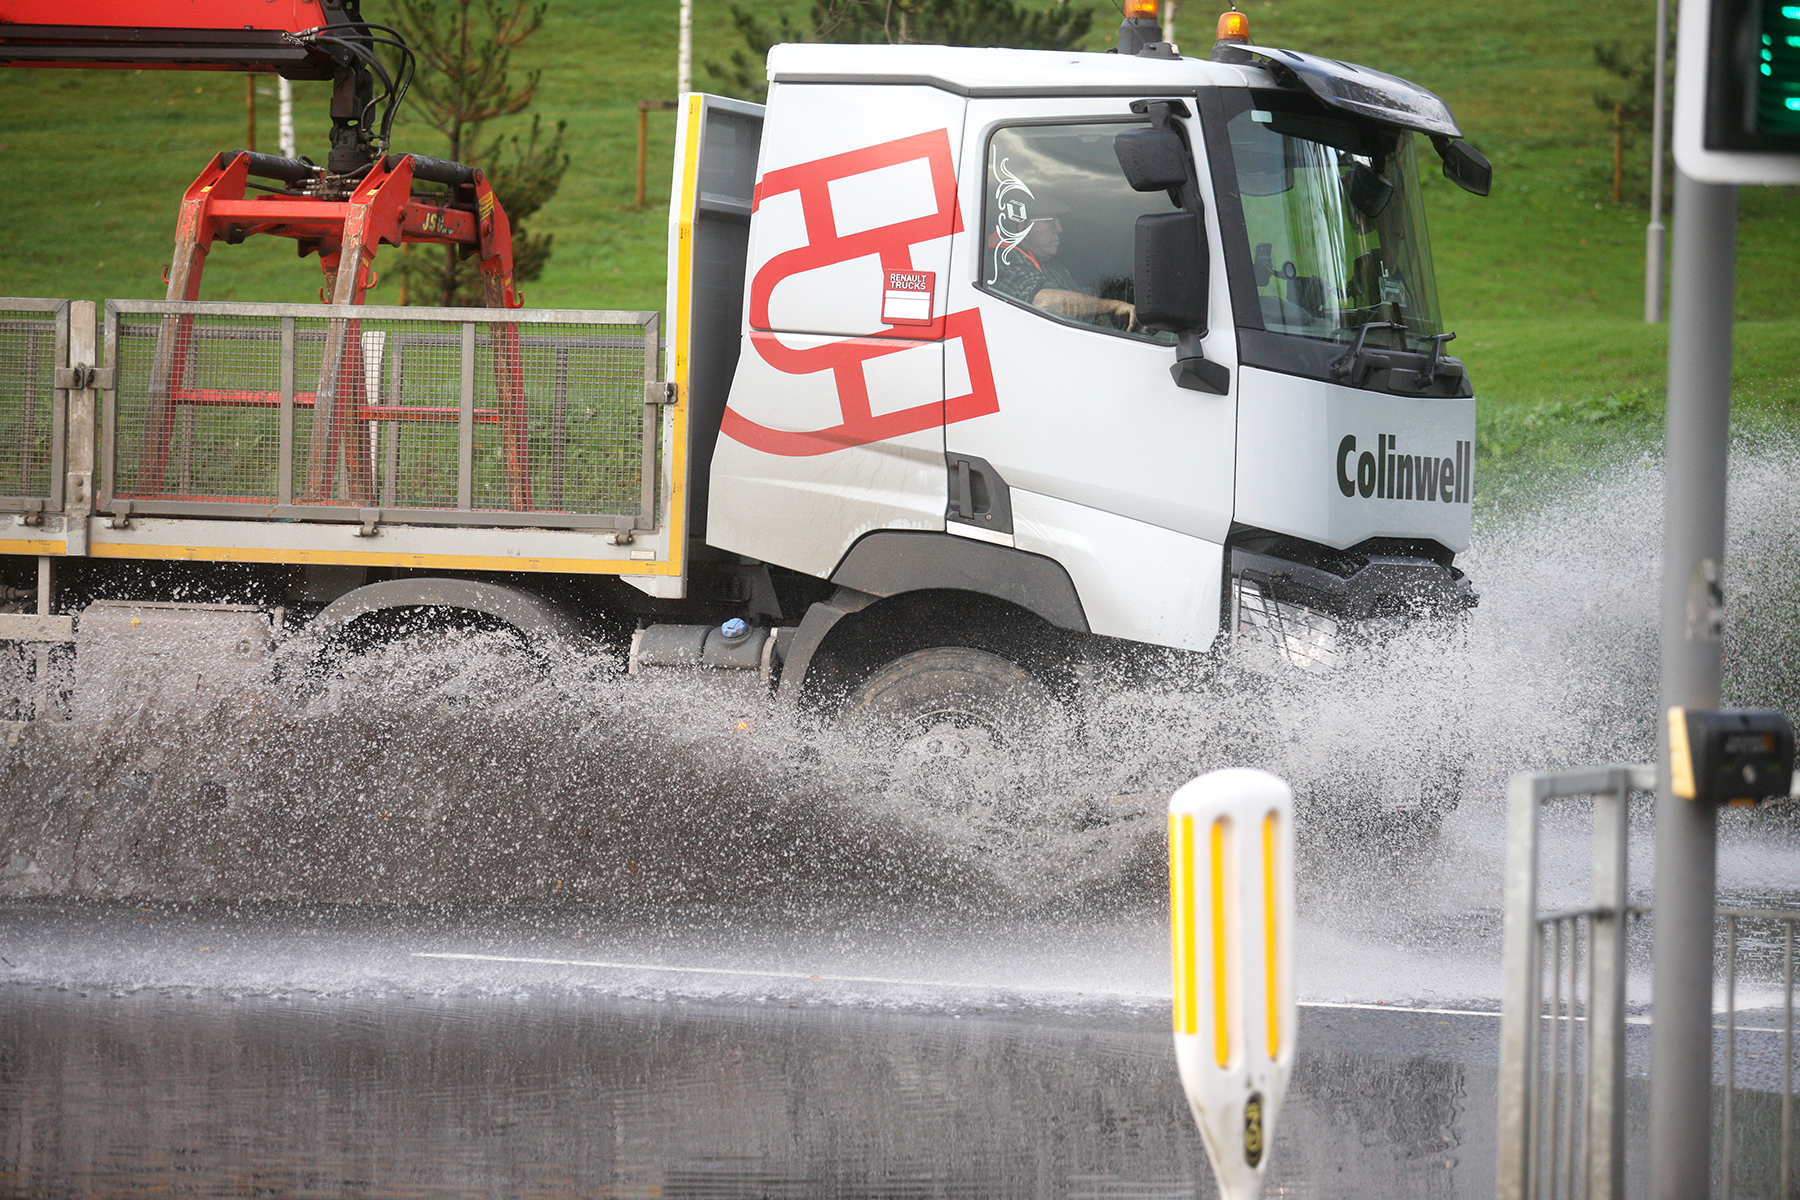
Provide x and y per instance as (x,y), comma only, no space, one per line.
(1334,222)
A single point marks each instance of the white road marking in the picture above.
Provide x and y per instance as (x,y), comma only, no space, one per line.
(737,973)
(728,971)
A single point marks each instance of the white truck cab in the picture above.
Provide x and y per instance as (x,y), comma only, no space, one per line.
(1137,345)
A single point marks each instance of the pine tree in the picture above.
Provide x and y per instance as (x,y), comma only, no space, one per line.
(1637,71)
(464,50)
(1061,25)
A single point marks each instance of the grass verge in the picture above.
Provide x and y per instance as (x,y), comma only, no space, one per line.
(1543,280)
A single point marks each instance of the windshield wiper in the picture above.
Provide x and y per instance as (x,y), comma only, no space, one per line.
(1357,362)
(1435,358)
(1354,367)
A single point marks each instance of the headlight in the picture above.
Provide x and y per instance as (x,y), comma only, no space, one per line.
(1304,637)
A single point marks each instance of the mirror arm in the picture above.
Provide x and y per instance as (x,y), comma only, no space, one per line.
(1194,371)
(1191,370)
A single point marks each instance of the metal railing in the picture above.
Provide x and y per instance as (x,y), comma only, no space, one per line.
(1562,1039)
(433,416)
(34,343)
(1736,922)
(1562,1046)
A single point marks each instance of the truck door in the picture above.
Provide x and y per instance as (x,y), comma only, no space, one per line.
(835,425)
(1106,463)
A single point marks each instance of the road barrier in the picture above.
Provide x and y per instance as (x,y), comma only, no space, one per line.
(1739,922)
(1231,934)
(1562,1047)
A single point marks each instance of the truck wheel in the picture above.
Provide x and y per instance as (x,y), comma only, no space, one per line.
(440,656)
(962,739)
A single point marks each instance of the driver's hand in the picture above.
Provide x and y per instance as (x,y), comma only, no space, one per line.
(1129,312)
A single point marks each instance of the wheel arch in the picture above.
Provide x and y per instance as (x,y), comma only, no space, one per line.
(891,562)
(845,640)
(540,622)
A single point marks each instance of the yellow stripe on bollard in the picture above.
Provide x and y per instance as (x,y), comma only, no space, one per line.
(1175,960)
(1220,968)
(1187,961)
(1271,917)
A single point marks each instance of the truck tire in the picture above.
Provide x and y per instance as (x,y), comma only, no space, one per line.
(435,657)
(960,741)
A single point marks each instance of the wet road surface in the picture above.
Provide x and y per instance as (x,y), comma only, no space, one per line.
(323,1056)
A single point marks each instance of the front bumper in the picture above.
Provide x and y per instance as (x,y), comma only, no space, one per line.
(1309,607)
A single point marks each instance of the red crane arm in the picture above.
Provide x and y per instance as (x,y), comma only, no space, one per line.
(205,35)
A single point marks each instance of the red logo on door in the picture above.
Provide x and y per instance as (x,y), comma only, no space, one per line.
(906,305)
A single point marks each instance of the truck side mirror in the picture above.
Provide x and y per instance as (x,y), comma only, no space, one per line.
(1169,271)
(1152,159)
(1464,165)
(1169,284)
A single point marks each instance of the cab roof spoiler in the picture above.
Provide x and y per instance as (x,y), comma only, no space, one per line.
(1349,88)
(1372,95)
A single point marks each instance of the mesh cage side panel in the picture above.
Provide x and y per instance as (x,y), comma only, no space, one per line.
(556,426)
(567,432)
(421,383)
(198,408)
(27,402)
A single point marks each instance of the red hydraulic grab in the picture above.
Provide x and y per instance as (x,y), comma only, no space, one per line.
(383,209)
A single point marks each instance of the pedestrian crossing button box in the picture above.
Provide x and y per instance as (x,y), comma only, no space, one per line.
(1731,756)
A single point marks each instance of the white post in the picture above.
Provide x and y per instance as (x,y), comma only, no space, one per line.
(284,129)
(684,60)
(1169,10)
(1653,233)
(1231,940)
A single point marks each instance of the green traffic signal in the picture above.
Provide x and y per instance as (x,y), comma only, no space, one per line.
(1778,82)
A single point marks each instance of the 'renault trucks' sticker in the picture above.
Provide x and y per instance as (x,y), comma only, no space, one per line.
(907,299)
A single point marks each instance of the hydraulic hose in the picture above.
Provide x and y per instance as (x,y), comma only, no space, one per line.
(434,170)
(271,166)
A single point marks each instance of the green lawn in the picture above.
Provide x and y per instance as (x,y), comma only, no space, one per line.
(1542,280)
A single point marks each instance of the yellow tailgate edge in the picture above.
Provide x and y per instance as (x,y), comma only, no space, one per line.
(686,197)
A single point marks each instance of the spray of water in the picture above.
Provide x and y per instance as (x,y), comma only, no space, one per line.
(453,773)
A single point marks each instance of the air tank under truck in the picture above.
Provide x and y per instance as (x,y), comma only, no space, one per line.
(981,368)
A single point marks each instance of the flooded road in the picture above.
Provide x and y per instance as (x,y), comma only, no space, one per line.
(319,1054)
(440,927)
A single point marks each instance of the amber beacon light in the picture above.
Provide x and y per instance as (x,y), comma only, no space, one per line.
(1140,8)
(1234,26)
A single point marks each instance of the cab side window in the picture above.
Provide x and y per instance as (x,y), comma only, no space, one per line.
(1060,224)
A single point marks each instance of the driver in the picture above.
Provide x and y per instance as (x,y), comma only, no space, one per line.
(1025,265)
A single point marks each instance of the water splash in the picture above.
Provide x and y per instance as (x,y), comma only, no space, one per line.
(447,776)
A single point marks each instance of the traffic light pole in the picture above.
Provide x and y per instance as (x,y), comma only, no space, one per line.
(1699,409)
